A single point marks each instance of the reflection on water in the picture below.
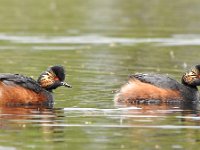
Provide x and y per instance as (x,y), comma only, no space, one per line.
(19,117)
(92,127)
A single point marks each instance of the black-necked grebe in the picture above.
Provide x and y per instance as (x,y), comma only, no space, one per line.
(19,89)
(142,88)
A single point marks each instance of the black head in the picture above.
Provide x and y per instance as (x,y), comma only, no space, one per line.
(52,78)
(192,78)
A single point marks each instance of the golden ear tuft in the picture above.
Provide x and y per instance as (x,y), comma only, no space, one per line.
(46,79)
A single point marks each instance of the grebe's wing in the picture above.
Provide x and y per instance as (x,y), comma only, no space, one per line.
(157,80)
(16,79)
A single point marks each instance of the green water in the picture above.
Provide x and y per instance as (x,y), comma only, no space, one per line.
(99,43)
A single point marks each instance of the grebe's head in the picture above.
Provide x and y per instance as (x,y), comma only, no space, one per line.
(192,78)
(52,78)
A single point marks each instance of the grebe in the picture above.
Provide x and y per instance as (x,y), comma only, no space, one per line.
(144,88)
(18,89)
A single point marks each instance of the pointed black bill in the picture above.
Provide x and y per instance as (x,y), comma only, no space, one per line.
(66,84)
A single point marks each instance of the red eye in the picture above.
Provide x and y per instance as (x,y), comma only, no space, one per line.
(56,78)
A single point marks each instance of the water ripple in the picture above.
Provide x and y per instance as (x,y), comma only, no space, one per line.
(97,109)
(175,40)
(123,126)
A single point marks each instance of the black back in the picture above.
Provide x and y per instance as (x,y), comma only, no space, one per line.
(26,82)
(162,81)
(157,80)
